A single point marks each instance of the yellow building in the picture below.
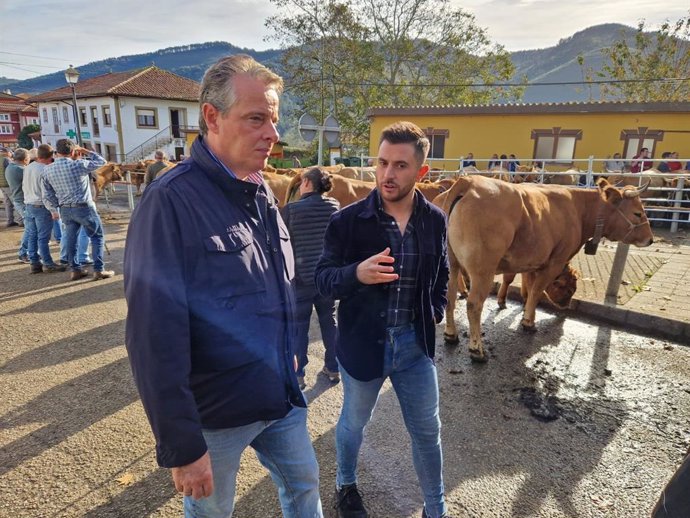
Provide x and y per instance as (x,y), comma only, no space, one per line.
(561,134)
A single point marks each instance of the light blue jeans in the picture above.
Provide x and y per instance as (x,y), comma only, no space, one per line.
(88,219)
(283,447)
(414,380)
(38,224)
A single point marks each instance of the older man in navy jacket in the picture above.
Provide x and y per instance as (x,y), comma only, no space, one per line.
(210,329)
(385,258)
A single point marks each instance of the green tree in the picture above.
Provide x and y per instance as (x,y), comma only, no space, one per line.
(24,140)
(662,54)
(345,56)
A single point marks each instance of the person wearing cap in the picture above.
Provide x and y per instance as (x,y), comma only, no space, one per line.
(66,185)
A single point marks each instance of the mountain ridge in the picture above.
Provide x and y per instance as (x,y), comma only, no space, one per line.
(557,63)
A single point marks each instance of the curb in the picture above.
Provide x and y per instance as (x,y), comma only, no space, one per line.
(652,325)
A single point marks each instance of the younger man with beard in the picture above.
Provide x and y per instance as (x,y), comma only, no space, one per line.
(385,258)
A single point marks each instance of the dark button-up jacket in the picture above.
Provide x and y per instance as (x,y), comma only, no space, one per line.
(208,270)
(353,235)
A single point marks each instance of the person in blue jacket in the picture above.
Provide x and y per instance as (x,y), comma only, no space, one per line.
(385,258)
(210,329)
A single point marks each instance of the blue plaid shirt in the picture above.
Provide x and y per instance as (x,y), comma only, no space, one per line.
(66,181)
(401,293)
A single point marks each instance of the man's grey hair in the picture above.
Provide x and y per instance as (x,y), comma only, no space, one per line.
(20,154)
(159,155)
(217,87)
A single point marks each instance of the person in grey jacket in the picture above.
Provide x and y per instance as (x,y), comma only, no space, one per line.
(306,220)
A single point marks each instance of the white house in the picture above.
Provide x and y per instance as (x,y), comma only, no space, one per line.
(124,116)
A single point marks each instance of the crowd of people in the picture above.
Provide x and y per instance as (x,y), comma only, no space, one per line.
(49,194)
(642,161)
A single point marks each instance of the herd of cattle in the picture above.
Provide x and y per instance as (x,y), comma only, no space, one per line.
(498,223)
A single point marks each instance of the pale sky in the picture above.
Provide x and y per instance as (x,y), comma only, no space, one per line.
(42,36)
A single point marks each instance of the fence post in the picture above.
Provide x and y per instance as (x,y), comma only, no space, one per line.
(617,272)
(130,195)
(590,171)
(677,204)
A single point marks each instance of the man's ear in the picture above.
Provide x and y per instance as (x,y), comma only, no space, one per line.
(211,116)
(422,171)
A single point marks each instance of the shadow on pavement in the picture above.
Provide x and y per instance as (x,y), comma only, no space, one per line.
(66,410)
(71,348)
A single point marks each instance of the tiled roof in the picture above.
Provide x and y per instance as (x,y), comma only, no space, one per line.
(12,103)
(151,82)
(520,108)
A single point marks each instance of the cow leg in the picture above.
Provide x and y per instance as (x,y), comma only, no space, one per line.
(450,333)
(527,281)
(537,284)
(481,286)
(503,290)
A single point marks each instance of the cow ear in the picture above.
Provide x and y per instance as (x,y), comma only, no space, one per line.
(610,194)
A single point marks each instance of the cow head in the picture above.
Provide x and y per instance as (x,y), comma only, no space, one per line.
(623,214)
(563,287)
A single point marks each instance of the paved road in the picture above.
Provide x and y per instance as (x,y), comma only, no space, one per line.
(75,440)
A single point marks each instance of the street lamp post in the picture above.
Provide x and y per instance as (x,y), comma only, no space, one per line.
(72,76)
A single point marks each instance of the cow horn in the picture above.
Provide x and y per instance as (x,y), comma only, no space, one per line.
(633,193)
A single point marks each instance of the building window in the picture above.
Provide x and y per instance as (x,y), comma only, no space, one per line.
(106,116)
(5,117)
(98,148)
(82,116)
(94,122)
(65,114)
(147,118)
(5,129)
(437,139)
(110,154)
(45,115)
(638,138)
(56,121)
(555,144)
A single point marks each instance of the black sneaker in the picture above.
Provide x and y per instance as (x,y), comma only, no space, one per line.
(348,502)
(24,259)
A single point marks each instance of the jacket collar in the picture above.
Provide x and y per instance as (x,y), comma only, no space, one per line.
(216,173)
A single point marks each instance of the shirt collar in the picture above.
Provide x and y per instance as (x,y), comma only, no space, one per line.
(256,178)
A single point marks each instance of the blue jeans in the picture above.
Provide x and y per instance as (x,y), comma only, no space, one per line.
(57,230)
(38,224)
(19,214)
(414,380)
(283,447)
(306,298)
(82,246)
(74,218)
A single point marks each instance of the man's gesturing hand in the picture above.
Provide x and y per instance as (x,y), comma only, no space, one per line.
(377,269)
(195,479)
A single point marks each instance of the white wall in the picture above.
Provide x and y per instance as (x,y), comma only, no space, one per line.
(132,135)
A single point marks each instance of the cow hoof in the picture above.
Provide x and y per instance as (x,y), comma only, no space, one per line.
(478,357)
(529,327)
(501,304)
(450,339)
(462,295)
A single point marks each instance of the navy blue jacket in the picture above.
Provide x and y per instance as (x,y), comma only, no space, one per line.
(353,235)
(210,326)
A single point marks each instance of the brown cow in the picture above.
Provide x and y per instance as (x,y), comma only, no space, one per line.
(105,175)
(348,190)
(496,227)
(559,292)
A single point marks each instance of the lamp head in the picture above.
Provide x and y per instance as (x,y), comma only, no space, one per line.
(72,75)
